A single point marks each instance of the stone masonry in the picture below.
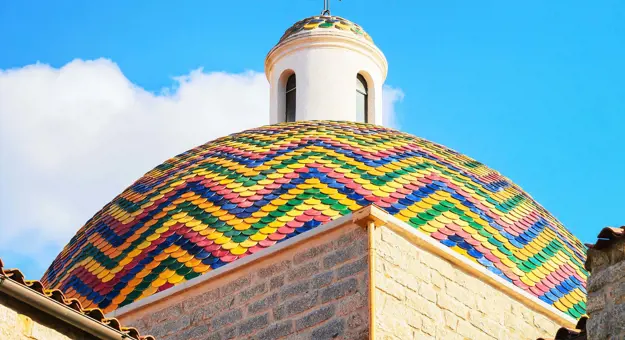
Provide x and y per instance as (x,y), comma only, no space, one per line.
(606,292)
(419,295)
(319,288)
(315,290)
(20,321)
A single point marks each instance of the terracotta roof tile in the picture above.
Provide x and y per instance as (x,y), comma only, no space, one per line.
(54,294)
(607,236)
(579,333)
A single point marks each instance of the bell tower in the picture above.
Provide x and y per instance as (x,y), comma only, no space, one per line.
(326,68)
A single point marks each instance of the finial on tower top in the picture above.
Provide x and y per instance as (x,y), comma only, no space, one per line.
(326,8)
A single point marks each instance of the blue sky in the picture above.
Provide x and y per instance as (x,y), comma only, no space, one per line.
(533,89)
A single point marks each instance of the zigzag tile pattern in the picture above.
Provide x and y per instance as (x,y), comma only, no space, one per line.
(237,195)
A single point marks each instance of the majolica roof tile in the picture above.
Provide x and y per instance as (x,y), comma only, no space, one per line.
(327,23)
(58,296)
(240,194)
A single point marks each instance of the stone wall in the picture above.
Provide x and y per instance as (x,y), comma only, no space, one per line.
(606,293)
(419,295)
(20,321)
(317,289)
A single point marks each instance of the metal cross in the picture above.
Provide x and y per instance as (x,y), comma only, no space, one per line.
(326,7)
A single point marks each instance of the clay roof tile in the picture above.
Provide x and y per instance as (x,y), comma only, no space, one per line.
(607,236)
(54,294)
(579,333)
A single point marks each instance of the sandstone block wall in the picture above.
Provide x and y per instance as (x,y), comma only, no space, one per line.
(606,293)
(419,295)
(20,321)
(316,290)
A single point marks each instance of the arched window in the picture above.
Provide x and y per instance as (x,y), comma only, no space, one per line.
(362,114)
(290,99)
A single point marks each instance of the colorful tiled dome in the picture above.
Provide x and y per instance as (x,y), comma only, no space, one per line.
(325,22)
(237,195)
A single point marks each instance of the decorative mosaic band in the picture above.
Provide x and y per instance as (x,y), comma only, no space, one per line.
(237,195)
(325,22)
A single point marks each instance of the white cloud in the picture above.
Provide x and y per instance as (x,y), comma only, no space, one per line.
(390,97)
(74,137)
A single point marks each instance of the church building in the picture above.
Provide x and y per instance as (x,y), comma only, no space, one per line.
(326,225)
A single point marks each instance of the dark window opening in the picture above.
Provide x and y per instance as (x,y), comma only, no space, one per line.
(362,105)
(290,99)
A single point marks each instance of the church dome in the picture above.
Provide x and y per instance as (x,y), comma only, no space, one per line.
(329,23)
(237,195)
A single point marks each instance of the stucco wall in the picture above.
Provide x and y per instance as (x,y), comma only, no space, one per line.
(419,295)
(606,293)
(20,321)
(326,66)
(317,289)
